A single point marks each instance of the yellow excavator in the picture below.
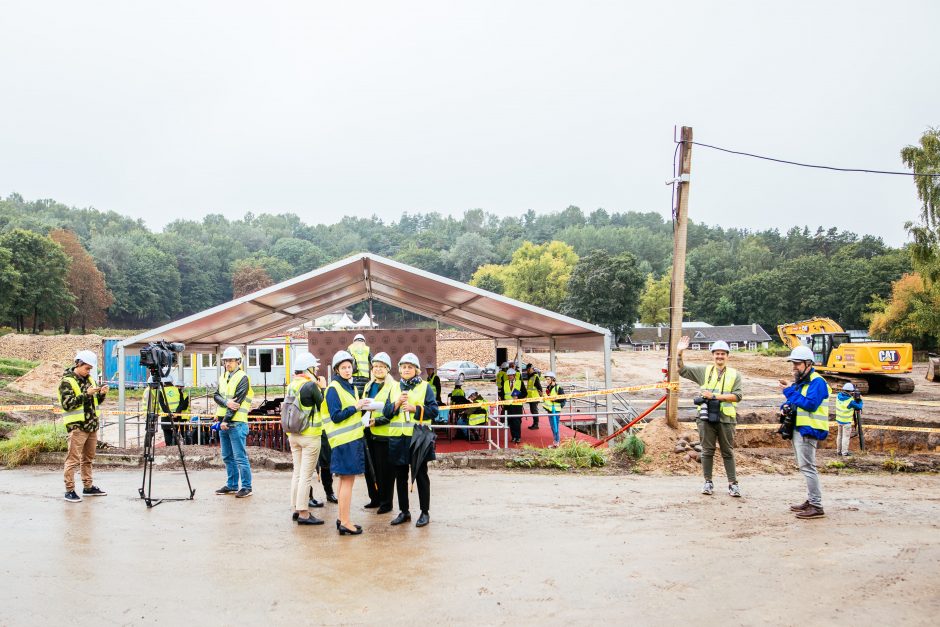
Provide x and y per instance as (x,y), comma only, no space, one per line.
(870,366)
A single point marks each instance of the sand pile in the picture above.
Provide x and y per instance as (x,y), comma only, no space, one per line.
(60,348)
(43,380)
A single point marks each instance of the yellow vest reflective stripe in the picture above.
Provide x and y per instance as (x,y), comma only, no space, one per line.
(531,392)
(360,353)
(517,387)
(388,392)
(844,413)
(819,419)
(403,423)
(478,414)
(347,430)
(77,415)
(316,421)
(551,405)
(227,388)
(722,384)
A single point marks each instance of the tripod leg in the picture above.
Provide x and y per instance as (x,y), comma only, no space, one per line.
(179,447)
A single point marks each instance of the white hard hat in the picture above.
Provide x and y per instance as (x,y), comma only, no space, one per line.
(359,336)
(471,391)
(87,357)
(511,371)
(720,345)
(848,387)
(410,358)
(550,374)
(342,356)
(383,358)
(305,361)
(801,353)
(232,353)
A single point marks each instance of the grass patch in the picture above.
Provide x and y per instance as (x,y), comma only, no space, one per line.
(27,442)
(16,367)
(631,446)
(893,464)
(835,464)
(569,454)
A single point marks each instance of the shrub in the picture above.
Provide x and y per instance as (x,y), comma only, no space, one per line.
(571,453)
(631,446)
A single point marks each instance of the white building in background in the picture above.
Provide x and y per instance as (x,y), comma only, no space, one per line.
(282,350)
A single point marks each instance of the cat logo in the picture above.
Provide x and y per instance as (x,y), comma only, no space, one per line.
(889,356)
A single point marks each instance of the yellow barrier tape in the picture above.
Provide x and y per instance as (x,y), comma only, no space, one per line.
(771,425)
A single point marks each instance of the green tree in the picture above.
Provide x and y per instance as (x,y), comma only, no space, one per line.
(490,277)
(538,273)
(9,282)
(911,315)
(605,290)
(925,159)
(654,301)
(90,295)
(249,277)
(426,259)
(302,256)
(41,294)
(469,252)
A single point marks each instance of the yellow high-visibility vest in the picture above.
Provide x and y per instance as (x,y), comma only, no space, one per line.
(348,430)
(722,384)
(78,414)
(228,385)
(844,414)
(316,417)
(390,391)
(819,419)
(360,353)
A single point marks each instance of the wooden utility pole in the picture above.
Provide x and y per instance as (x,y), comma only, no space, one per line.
(678,273)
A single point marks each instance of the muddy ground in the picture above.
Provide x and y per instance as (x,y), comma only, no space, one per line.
(502,548)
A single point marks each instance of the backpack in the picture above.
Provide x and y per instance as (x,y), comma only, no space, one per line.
(293,418)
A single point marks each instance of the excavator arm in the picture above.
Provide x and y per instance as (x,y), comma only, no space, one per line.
(792,332)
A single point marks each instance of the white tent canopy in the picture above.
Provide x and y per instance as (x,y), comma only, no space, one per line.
(345,323)
(363,277)
(365,322)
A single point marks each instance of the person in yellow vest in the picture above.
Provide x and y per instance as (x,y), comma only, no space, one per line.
(79,398)
(513,388)
(553,407)
(384,391)
(476,416)
(500,379)
(172,402)
(305,390)
(847,401)
(344,429)
(362,358)
(809,394)
(178,398)
(435,382)
(415,405)
(381,364)
(457,397)
(533,385)
(719,383)
(233,398)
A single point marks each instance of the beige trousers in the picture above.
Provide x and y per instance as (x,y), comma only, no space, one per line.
(82,447)
(305,451)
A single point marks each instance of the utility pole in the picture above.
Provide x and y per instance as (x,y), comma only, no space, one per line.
(678,273)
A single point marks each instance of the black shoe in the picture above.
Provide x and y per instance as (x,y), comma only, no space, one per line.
(314,503)
(345,531)
(72,497)
(309,520)
(384,509)
(243,493)
(93,491)
(372,505)
(226,490)
(533,427)
(294,516)
(402,517)
(423,520)
(332,498)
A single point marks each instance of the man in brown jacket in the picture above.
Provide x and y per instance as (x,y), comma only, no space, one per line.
(79,398)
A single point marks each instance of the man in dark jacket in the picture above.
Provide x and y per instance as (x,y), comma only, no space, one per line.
(513,388)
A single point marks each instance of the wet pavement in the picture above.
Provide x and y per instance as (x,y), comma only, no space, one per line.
(502,548)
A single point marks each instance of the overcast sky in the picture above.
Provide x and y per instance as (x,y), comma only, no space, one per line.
(329,109)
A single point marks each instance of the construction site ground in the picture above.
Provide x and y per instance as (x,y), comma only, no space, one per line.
(502,548)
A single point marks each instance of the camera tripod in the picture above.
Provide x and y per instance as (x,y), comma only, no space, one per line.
(155,400)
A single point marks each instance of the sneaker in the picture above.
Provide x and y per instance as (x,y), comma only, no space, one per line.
(708,488)
(243,493)
(811,512)
(800,507)
(72,497)
(734,490)
(94,491)
(226,490)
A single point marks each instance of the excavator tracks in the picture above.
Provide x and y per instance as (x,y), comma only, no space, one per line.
(874,384)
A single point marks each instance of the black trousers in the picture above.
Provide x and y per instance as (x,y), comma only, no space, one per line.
(326,456)
(371,475)
(514,420)
(534,410)
(169,434)
(385,475)
(422,480)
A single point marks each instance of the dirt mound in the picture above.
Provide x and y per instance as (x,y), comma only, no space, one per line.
(43,380)
(660,440)
(61,348)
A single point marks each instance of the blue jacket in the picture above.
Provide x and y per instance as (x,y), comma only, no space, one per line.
(337,413)
(854,404)
(816,393)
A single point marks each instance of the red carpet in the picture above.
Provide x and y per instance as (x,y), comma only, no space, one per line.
(539,438)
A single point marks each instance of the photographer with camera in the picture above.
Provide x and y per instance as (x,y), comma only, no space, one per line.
(234,400)
(79,398)
(805,419)
(847,402)
(720,393)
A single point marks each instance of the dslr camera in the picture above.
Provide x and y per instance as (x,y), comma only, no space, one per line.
(708,408)
(787,421)
(160,357)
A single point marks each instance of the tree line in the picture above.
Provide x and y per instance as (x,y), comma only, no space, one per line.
(66,267)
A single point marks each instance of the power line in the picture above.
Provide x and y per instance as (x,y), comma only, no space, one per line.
(808,165)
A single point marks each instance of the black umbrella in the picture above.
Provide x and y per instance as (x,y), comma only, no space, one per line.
(422,449)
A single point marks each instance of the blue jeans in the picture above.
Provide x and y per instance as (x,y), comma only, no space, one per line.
(553,421)
(235,454)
